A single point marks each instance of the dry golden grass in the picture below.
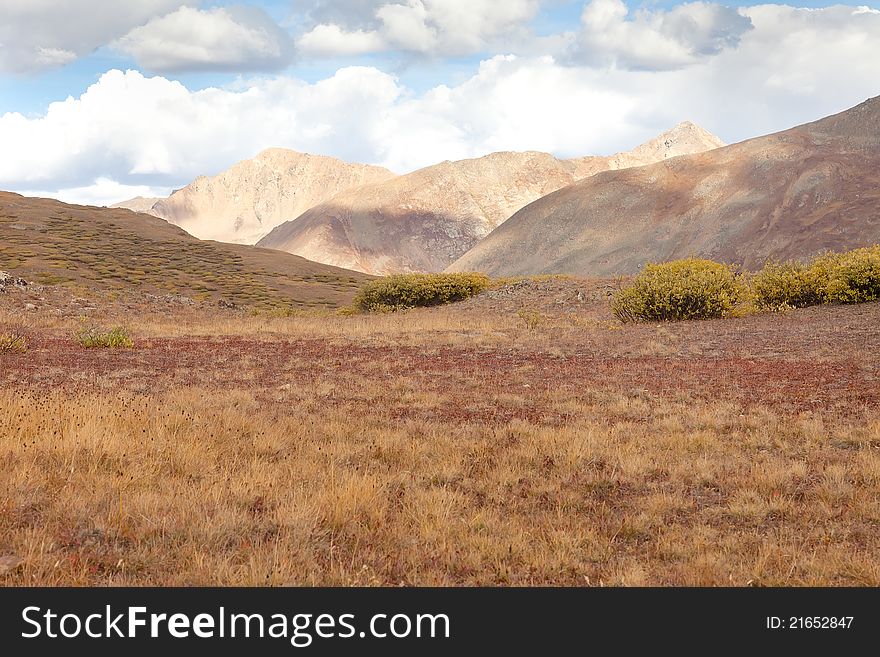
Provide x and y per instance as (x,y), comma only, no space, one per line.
(452,446)
(200,487)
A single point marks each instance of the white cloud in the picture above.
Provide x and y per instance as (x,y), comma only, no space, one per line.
(51,57)
(332,40)
(231,38)
(794,66)
(510,104)
(154,131)
(39,34)
(609,33)
(436,27)
(656,40)
(348,14)
(102,192)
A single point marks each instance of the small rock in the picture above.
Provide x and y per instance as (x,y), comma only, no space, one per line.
(7,279)
(9,562)
(223,303)
(30,307)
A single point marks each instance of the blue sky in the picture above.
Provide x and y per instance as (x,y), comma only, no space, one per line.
(102,99)
(31,94)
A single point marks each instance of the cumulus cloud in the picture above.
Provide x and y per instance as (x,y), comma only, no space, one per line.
(656,40)
(221,38)
(795,65)
(40,34)
(510,104)
(437,27)
(152,130)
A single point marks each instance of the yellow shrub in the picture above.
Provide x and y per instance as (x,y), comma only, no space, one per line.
(682,289)
(789,285)
(531,318)
(852,277)
(414,290)
(115,338)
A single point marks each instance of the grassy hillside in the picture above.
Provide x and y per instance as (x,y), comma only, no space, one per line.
(106,250)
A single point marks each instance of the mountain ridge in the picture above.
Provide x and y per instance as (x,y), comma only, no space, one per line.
(786,195)
(425,220)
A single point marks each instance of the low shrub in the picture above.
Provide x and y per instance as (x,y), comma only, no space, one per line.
(418,290)
(531,318)
(95,338)
(851,277)
(854,277)
(12,343)
(788,285)
(681,289)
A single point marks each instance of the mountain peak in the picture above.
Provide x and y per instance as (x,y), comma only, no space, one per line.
(141,204)
(685,138)
(247,200)
(276,152)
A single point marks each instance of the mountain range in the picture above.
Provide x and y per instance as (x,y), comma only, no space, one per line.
(424,221)
(367,219)
(789,195)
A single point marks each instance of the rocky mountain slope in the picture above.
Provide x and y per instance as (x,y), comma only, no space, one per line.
(248,200)
(424,220)
(788,195)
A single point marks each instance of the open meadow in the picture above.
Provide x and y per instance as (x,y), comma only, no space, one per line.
(522,437)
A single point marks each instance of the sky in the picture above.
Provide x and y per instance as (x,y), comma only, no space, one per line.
(103,100)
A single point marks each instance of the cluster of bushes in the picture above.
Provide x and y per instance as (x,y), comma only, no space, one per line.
(418,290)
(703,289)
(852,277)
(96,338)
